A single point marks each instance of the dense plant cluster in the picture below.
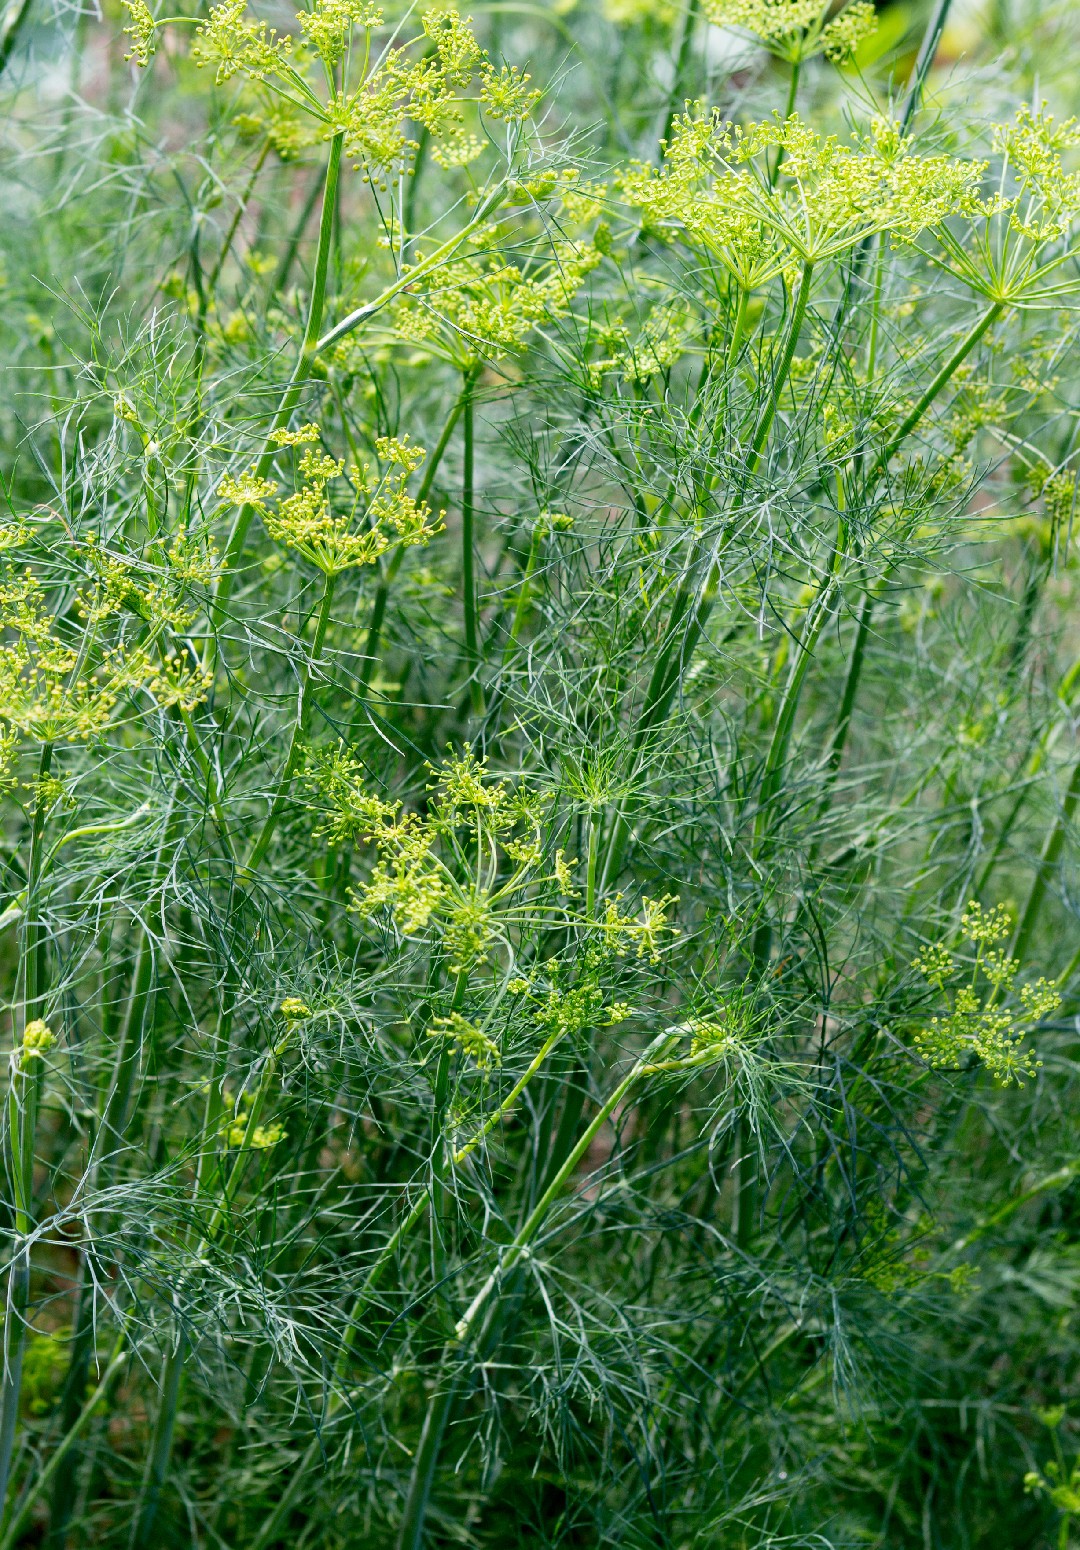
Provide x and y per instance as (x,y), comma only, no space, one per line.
(538,716)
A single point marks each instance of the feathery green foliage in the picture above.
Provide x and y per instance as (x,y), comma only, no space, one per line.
(538,722)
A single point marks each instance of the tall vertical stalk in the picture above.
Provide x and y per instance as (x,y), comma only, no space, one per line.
(296,740)
(692,609)
(438,1409)
(468,543)
(389,573)
(305,361)
(27,1069)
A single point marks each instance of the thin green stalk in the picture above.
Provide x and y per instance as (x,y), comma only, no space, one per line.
(678,83)
(24,1090)
(165,1423)
(1048,860)
(382,593)
(514,1251)
(851,684)
(866,613)
(468,547)
(1035,756)
(40,1480)
(689,619)
(301,372)
(288,258)
(437,1413)
(947,372)
(414,1215)
(524,593)
(292,758)
(780,742)
(234,224)
(789,108)
(161,1448)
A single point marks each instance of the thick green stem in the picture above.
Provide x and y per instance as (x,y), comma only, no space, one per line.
(296,742)
(11,24)
(436,1416)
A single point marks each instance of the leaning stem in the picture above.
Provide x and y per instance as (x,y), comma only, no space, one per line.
(514,1251)
(768,415)
(410,1533)
(414,1215)
(866,613)
(951,366)
(45,1475)
(234,224)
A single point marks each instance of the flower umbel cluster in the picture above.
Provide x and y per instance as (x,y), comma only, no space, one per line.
(334,533)
(797,30)
(717,191)
(976,1024)
(487,309)
(477,869)
(63,684)
(437,85)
